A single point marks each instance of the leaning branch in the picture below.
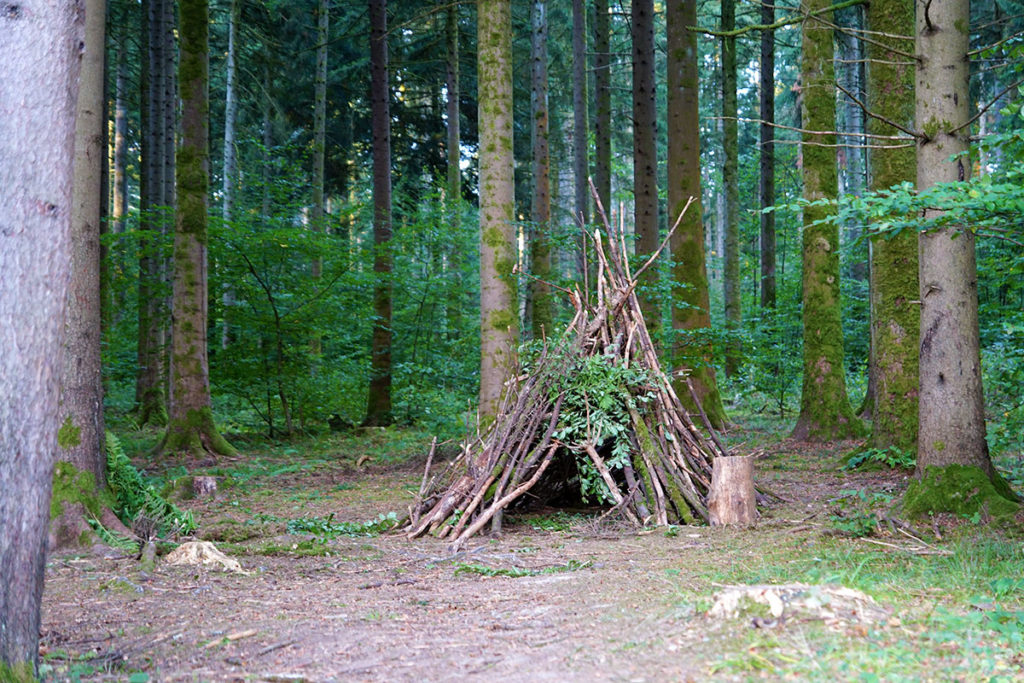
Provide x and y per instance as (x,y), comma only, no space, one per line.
(788,21)
(878,117)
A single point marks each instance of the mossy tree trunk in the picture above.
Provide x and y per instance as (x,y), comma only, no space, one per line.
(602,104)
(191,426)
(378,407)
(731,183)
(40,42)
(540,245)
(691,317)
(81,433)
(825,411)
(645,155)
(767,157)
(499,321)
(951,407)
(895,313)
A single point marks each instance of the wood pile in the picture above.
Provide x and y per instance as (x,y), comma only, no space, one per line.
(654,467)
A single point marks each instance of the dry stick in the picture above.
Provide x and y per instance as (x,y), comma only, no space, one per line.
(470,509)
(508,498)
(426,470)
(613,489)
(704,417)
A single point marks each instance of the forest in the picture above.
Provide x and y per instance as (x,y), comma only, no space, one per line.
(414,340)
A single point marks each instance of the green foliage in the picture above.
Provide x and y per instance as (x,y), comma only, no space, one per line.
(517,572)
(558,521)
(857,511)
(959,489)
(326,528)
(137,500)
(892,457)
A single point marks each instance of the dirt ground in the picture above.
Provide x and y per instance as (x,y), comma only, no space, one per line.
(604,602)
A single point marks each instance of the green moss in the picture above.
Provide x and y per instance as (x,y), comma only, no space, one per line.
(501,320)
(960,489)
(20,672)
(69,435)
(71,485)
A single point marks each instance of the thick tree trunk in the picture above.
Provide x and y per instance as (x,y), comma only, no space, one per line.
(767,156)
(895,313)
(690,305)
(378,409)
(645,154)
(81,436)
(540,244)
(499,325)
(730,179)
(191,426)
(825,411)
(602,105)
(951,412)
(41,43)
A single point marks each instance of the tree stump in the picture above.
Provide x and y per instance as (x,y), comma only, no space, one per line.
(204,487)
(731,500)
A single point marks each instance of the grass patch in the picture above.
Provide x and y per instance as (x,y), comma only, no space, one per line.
(518,572)
(327,528)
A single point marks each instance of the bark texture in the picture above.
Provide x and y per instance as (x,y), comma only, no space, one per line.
(580,161)
(499,322)
(691,351)
(40,42)
(81,436)
(645,152)
(230,169)
(378,407)
(895,313)
(767,157)
(191,426)
(540,244)
(730,179)
(951,408)
(825,411)
(602,105)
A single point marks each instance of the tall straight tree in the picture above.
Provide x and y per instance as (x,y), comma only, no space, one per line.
(40,42)
(951,406)
(580,163)
(82,429)
(230,169)
(691,310)
(895,313)
(191,426)
(319,140)
(602,105)
(825,411)
(731,183)
(766,186)
(645,150)
(378,407)
(454,136)
(499,326)
(540,246)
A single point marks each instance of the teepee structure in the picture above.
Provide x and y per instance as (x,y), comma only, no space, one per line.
(597,396)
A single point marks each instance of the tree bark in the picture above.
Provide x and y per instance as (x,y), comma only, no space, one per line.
(767,156)
(895,313)
(191,427)
(230,170)
(580,161)
(41,47)
(81,435)
(602,105)
(951,407)
(540,245)
(499,325)
(645,154)
(378,409)
(825,411)
(732,499)
(730,181)
(690,304)
(453,303)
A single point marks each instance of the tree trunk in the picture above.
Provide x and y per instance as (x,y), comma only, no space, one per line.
(378,409)
(149,386)
(690,304)
(81,435)
(767,160)
(119,207)
(645,155)
(580,163)
(230,154)
(895,313)
(732,499)
(319,144)
(499,325)
(731,182)
(602,105)
(951,407)
(40,43)
(540,245)
(457,293)
(825,411)
(191,427)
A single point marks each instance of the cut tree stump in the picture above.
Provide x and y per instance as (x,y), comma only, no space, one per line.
(732,499)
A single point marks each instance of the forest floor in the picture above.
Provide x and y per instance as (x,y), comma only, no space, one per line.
(561,595)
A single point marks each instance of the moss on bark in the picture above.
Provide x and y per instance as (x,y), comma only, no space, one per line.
(196,433)
(962,490)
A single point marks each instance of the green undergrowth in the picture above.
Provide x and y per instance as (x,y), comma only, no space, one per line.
(962,490)
(462,568)
(137,500)
(879,458)
(326,528)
